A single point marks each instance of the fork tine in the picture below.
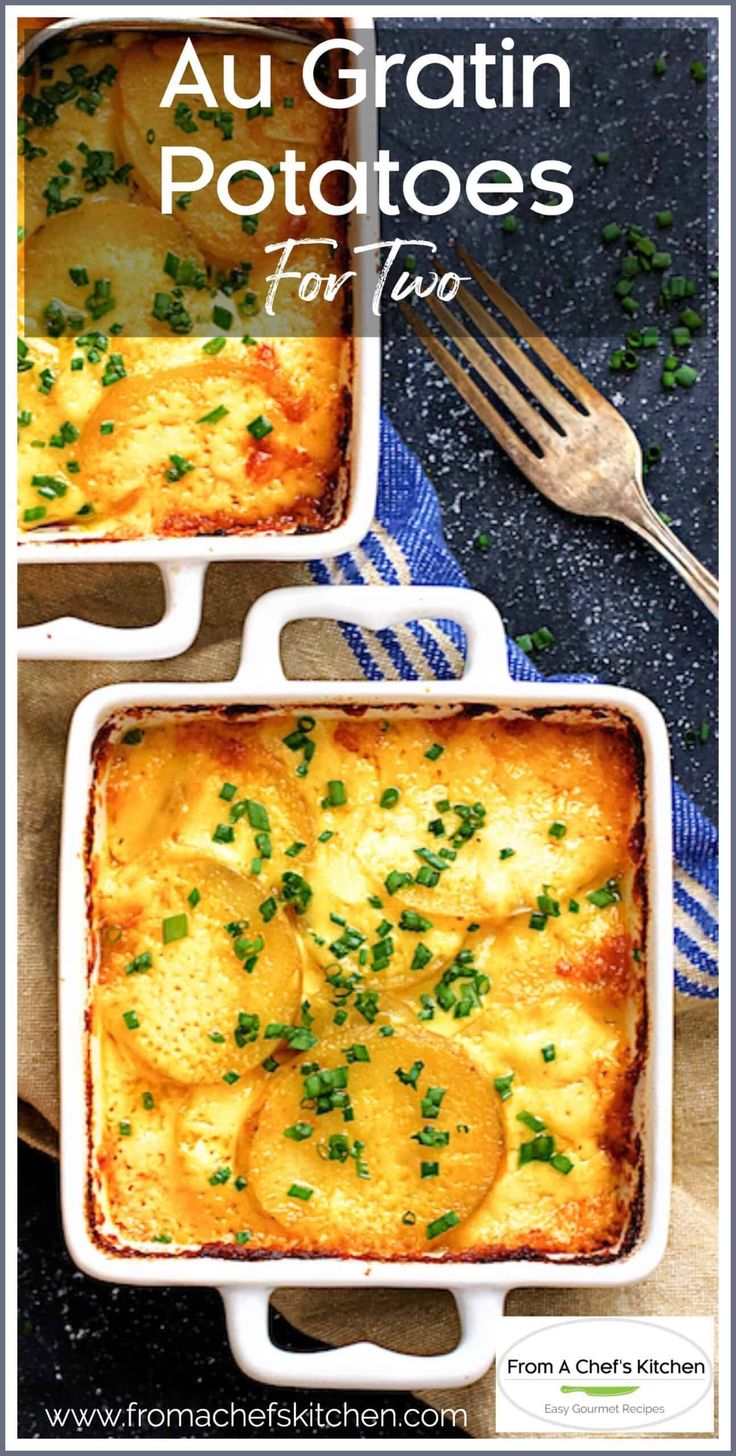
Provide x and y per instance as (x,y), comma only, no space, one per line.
(536,382)
(465,386)
(557,361)
(504,387)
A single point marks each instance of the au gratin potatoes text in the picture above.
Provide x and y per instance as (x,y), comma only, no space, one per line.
(365,986)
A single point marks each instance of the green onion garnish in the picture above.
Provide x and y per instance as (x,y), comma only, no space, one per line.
(214,416)
(174,927)
(139,964)
(300,1190)
(336,794)
(299,1131)
(441,1225)
(260,427)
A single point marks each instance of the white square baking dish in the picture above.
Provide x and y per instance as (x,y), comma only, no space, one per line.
(479,1288)
(183,562)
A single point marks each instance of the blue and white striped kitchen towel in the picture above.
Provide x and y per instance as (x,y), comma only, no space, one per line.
(406,546)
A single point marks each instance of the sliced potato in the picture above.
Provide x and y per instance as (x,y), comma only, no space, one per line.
(305,126)
(117,241)
(169,787)
(61,141)
(246,479)
(325,1201)
(526,778)
(137,1143)
(186,1014)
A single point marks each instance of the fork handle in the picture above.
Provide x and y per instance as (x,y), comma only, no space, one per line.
(642,518)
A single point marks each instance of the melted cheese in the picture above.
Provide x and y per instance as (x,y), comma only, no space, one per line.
(114,438)
(299,1046)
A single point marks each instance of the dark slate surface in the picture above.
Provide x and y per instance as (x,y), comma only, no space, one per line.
(85,1344)
(614,608)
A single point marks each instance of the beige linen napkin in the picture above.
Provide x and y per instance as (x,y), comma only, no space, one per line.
(421,1322)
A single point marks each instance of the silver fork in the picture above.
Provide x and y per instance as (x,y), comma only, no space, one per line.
(591,460)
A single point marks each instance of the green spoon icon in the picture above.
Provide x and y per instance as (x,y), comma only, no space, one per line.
(598,1389)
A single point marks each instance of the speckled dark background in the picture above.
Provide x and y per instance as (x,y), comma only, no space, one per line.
(615,609)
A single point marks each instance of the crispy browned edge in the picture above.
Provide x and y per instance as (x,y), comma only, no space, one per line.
(633,1152)
(307,516)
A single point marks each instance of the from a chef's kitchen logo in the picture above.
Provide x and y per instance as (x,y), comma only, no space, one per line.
(605,1374)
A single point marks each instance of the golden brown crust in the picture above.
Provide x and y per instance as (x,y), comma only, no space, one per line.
(546,1024)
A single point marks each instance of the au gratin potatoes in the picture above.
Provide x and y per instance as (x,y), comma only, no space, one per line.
(365,986)
(152,401)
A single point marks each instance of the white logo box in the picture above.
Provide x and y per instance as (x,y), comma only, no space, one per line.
(602,1376)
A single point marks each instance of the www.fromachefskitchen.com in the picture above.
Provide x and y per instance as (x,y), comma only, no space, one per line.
(280,1415)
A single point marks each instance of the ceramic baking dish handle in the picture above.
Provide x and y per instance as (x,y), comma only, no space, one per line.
(74,638)
(374,607)
(364,1366)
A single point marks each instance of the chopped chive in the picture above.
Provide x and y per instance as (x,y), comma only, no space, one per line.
(148,1102)
(389,797)
(228,791)
(530,1121)
(503,1086)
(539,1150)
(214,416)
(507,853)
(561,1163)
(608,894)
(124,1129)
(174,927)
(300,1190)
(434,752)
(611,232)
(558,830)
(602,158)
(410,920)
(548,1052)
(336,794)
(139,964)
(299,1131)
(441,1225)
(131,1020)
(260,427)
(224,834)
(221,1176)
